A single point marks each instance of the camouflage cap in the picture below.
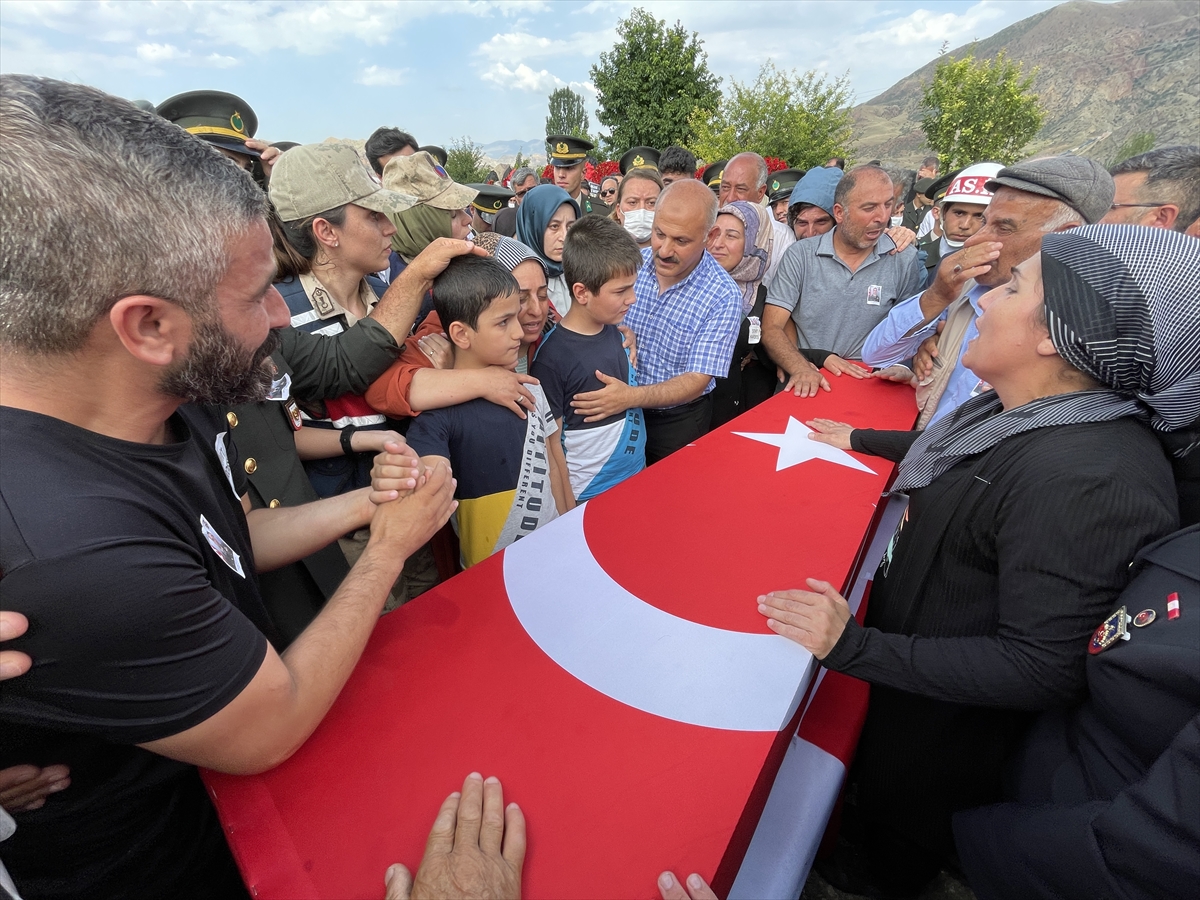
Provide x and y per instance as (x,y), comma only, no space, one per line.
(315,178)
(420,176)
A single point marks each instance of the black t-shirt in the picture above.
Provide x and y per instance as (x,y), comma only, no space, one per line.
(134,566)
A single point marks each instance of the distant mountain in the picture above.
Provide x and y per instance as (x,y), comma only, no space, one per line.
(1106,71)
(506,151)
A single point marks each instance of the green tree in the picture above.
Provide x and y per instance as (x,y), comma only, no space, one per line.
(567,114)
(649,83)
(802,118)
(976,110)
(1137,144)
(465,161)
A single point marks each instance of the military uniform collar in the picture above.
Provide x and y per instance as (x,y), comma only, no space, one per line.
(326,307)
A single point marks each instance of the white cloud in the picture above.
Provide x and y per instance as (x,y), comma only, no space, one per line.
(156,53)
(378,76)
(522,78)
(518,46)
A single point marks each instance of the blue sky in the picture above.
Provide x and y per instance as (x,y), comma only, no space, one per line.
(444,69)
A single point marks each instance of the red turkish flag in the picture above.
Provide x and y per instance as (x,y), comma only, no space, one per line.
(611,669)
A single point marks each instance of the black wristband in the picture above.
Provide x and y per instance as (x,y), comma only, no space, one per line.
(344,436)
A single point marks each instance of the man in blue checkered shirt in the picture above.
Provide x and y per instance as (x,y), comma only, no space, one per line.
(686,318)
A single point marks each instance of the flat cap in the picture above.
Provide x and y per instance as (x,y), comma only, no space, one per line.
(1081,183)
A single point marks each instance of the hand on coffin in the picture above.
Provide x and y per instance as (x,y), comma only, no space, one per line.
(813,619)
(899,373)
(838,366)
(397,470)
(697,888)
(807,382)
(475,851)
(827,431)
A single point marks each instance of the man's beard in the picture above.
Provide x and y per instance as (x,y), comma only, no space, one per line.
(217,370)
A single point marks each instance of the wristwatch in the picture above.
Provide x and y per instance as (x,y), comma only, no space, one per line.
(344,435)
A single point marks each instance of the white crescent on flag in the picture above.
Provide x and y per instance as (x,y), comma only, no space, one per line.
(639,654)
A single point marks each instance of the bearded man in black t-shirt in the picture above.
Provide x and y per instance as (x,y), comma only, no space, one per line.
(137,276)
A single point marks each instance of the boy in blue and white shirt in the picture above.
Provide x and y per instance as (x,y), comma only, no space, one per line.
(584,353)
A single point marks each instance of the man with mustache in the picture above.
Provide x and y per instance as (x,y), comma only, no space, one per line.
(126,537)
(686,318)
(840,285)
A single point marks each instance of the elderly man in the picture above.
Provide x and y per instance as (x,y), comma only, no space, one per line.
(1160,189)
(745,178)
(1030,199)
(835,288)
(686,317)
(523,181)
(148,633)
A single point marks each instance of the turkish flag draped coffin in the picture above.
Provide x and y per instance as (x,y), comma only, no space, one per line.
(611,669)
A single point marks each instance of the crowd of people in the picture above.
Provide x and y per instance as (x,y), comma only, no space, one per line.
(280,390)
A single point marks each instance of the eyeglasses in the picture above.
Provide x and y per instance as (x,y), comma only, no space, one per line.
(611,192)
(1139,205)
(520,194)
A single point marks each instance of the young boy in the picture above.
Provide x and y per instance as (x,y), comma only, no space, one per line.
(601,263)
(511,477)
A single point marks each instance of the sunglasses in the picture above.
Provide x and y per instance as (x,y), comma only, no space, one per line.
(612,192)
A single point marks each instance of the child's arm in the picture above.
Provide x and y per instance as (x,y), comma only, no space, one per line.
(326,443)
(560,478)
(439,388)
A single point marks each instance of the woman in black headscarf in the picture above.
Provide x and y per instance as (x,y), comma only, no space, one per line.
(1026,506)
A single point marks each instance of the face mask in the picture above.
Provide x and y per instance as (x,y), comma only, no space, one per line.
(897,221)
(957,245)
(638,222)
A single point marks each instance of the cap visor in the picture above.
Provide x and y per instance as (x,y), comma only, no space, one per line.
(230,144)
(386,201)
(1020,184)
(455,197)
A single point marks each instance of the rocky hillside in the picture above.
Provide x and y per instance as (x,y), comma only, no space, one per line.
(1106,71)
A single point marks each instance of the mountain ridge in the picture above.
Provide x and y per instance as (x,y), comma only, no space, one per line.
(1106,71)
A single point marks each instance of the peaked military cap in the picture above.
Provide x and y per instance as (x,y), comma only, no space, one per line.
(214,116)
(780,184)
(567,150)
(639,158)
(711,174)
(436,152)
(491,198)
(938,186)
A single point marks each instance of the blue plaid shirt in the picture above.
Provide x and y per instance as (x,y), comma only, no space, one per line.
(690,327)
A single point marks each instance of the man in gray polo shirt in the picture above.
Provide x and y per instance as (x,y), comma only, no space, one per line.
(837,286)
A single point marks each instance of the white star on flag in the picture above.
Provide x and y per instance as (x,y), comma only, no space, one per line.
(795,447)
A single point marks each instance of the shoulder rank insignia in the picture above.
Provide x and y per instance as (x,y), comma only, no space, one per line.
(1114,628)
(293,411)
(322,301)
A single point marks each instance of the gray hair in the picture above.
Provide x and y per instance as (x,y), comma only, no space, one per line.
(1172,176)
(760,165)
(906,179)
(521,175)
(1061,215)
(100,200)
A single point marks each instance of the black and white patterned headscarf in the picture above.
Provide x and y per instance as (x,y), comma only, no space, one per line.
(1123,305)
